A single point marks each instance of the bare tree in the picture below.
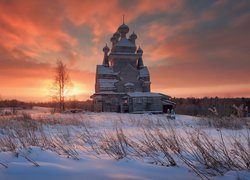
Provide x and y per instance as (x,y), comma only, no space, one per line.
(62,84)
(14,105)
(1,105)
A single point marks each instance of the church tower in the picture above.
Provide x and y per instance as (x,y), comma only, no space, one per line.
(123,81)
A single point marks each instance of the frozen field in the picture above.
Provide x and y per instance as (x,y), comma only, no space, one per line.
(38,145)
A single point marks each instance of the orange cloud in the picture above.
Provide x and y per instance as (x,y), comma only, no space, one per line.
(186,46)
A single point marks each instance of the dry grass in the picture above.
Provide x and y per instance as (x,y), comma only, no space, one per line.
(159,143)
(231,122)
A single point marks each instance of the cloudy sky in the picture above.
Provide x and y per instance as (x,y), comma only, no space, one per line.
(191,47)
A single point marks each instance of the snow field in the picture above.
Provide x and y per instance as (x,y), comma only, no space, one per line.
(119,146)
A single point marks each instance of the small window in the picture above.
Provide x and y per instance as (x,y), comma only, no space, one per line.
(129,89)
(150,100)
(114,100)
(139,100)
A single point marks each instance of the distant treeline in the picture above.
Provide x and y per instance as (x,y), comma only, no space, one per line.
(15,103)
(74,104)
(203,106)
(187,106)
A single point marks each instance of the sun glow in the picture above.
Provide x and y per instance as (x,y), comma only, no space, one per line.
(77,91)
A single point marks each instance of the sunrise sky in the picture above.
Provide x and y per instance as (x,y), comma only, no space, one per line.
(192,48)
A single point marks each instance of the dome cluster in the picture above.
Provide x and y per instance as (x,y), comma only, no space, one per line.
(119,40)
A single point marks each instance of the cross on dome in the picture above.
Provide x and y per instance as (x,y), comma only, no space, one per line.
(123,29)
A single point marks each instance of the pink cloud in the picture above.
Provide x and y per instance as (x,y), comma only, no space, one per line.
(180,53)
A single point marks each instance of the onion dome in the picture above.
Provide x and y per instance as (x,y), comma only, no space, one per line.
(133,36)
(139,50)
(116,35)
(106,49)
(123,30)
(140,63)
(112,39)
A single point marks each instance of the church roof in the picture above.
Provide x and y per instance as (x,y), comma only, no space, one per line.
(107,82)
(108,92)
(125,43)
(104,70)
(167,102)
(143,94)
(146,82)
(129,84)
(144,72)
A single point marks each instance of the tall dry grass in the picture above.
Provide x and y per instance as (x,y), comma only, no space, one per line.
(159,142)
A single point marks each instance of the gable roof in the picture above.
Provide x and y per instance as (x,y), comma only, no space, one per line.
(100,69)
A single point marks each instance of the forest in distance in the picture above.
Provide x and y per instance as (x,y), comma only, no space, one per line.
(185,106)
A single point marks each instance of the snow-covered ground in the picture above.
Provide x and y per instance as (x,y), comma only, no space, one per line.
(103,146)
(53,166)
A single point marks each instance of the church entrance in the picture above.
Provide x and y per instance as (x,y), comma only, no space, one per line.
(125,108)
(167,108)
(107,107)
